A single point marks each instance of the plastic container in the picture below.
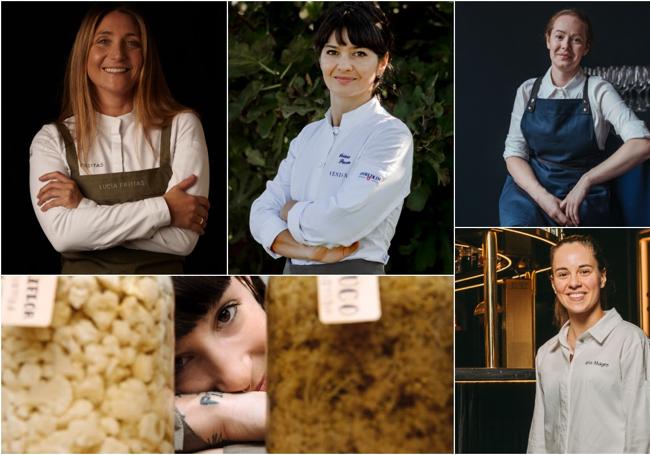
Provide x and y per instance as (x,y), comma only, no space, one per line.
(100,377)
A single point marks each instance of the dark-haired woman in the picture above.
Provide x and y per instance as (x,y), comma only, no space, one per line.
(220,372)
(119,182)
(554,151)
(593,384)
(338,194)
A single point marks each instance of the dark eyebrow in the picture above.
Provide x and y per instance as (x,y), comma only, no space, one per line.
(352,47)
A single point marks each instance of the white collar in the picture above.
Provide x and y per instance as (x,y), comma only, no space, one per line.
(113,124)
(353,117)
(572,88)
(598,331)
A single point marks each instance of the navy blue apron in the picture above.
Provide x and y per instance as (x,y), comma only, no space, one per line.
(563,146)
(632,194)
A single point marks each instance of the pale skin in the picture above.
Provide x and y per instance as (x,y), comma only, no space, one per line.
(567,45)
(221,372)
(114,65)
(577,281)
(350,73)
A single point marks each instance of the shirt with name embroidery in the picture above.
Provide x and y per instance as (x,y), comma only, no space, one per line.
(350,183)
(120,146)
(599,402)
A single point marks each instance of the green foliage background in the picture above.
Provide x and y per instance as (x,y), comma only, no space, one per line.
(275,89)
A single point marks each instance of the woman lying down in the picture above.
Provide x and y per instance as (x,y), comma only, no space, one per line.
(220,366)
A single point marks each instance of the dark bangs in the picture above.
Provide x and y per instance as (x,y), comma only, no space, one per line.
(195,296)
(366,24)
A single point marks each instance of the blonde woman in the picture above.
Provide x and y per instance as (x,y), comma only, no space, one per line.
(119,184)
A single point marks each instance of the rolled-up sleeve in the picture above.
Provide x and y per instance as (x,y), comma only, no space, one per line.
(636,394)
(265,223)
(536,438)
(89,226)
(377,184)
(516,144)
(617,113)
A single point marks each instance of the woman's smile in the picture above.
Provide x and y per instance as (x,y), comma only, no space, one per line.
(349,71)
(345,80)
(115,59)
(576,279)
(116,69)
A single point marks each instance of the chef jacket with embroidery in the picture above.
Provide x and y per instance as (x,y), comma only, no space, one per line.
(350,183)
(607,109)
(120,146)
(600,401)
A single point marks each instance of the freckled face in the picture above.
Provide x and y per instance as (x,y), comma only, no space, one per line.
(567,43)
(115,56)
(226,351)
(576,279)
(350,71)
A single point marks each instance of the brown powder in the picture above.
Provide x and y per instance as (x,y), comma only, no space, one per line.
(385,386)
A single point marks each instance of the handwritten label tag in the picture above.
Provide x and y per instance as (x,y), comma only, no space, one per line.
(28,301)
(345,299)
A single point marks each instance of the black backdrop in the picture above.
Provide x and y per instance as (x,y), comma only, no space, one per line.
(499,45)
(36,40)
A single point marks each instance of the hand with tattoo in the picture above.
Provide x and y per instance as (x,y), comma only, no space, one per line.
(209,419)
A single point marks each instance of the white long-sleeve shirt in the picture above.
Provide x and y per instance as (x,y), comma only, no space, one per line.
(607,108)
(350,183)
(600,401)
(120,146)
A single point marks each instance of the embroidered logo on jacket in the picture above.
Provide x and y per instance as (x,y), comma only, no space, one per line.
(344,159)
(597,363)
(370,177)
(112,186)
(342,175)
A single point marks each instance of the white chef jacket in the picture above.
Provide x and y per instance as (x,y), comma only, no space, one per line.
(120,146)
(607,108)
(350,183)
(599,402)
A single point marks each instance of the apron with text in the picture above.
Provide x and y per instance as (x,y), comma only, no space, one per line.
(116,188)
(562,142)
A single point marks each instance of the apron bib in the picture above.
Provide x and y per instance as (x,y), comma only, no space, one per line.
(562,142)
(116,188)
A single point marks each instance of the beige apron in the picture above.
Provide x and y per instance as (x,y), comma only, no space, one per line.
(116,188)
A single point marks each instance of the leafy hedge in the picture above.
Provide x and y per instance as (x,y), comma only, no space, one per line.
(275,89)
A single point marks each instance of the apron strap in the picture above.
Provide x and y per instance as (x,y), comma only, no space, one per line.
(70,149)
(165,141)
(586,107)
(533,95)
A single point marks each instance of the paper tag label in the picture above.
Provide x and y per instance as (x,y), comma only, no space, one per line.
(28,301)
(344,299)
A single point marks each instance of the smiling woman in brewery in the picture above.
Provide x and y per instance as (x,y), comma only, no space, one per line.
(334,204)
(554,151)
(593,385)
(119,183)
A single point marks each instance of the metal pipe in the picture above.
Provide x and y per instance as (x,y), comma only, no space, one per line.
(643,272)
(490,250)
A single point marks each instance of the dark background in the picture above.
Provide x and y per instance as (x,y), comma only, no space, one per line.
(500,45)
(484,410)
(36,40)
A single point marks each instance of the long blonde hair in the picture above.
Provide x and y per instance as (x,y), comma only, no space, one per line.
(153,104)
